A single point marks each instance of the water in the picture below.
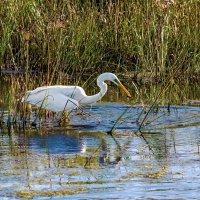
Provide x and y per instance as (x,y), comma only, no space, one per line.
(82,161)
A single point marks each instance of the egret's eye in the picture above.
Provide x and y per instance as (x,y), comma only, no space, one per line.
(116,81)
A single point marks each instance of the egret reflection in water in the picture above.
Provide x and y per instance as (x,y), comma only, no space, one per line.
(61,144)
(70,144)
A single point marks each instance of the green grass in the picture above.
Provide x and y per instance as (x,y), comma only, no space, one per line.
(72,42)
(84,37)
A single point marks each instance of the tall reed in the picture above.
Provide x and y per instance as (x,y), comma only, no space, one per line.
(77,37)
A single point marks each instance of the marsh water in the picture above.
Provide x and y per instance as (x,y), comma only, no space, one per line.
(83,161)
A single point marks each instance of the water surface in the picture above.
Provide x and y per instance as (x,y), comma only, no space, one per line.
(161,163)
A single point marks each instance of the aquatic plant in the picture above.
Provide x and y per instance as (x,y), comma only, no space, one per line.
(50,193)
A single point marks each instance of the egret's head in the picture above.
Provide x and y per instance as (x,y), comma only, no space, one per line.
(112,77)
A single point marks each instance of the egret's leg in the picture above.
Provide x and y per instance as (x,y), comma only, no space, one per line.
(28,111)
(25,112)
(54,115)
(64,119)
(46,114)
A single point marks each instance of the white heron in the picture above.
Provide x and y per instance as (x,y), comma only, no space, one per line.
(60,98)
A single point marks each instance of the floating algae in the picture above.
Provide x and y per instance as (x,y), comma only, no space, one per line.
(52,193)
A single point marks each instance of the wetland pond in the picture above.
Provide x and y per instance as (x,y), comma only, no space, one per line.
(82,161)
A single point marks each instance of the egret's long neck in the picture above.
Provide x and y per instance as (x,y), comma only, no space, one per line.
(94,98)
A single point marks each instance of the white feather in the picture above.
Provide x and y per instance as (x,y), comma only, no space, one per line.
(64,98)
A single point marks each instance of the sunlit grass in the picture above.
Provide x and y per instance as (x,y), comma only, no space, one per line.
(82,37)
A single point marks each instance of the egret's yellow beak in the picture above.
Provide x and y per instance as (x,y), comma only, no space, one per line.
(124,89)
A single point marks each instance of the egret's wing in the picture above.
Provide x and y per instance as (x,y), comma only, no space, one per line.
(59,103)
(36,97)
(50,99)
(55,98)
(74,92)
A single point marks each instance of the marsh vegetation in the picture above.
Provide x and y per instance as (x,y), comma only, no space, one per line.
(139,38)
(153,145)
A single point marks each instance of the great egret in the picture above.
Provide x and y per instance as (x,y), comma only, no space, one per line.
(59,98)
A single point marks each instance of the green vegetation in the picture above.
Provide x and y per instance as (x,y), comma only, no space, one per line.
(154,42)
(151,39)
(33,193)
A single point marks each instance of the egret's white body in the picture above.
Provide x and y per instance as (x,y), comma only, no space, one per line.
(61,98)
